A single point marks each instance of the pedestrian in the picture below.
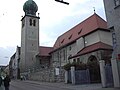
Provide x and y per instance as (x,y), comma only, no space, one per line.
(7,82)
(1,84)
(21,78)
(0,81)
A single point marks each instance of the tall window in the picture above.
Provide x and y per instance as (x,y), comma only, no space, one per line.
(117,2)
(74,60)
(23,23)
(30,22)
(78,60)
(113,37)
(34,22)
(64,54)
(70,48)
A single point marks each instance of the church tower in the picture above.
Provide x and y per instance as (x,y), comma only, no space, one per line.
(29,36)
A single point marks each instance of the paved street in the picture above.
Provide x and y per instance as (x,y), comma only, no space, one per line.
(33,85)
(21,85)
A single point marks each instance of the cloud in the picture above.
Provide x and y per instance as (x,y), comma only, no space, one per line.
(5,54)
(60,18)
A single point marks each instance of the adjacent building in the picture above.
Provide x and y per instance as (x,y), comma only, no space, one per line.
(112,9)
(14,69)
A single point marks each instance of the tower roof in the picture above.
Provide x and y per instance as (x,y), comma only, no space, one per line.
(30,7)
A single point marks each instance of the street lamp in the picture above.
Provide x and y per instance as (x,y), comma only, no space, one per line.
(61,1)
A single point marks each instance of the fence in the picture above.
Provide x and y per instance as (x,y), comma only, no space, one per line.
(81,76)
(109,76)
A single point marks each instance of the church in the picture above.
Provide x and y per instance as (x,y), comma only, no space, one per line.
(88,41)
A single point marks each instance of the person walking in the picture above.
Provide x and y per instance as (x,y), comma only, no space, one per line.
(7,82)
(1,84)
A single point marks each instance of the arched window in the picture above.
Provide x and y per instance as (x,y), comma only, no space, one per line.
(30,21)
(117,2)
(34,22)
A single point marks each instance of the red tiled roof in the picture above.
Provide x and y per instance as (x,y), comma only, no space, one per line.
(94,47)
(44,51)
(89,25)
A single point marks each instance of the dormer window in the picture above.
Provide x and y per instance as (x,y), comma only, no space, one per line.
(70,37)
(62,41)
(79,32)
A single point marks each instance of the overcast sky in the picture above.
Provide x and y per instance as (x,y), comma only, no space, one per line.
(55,19)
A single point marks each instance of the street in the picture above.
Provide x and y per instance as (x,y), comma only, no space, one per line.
(35,85)
(21,85)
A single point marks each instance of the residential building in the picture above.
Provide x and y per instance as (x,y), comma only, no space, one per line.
(42,61)
(11,66)
(6,70)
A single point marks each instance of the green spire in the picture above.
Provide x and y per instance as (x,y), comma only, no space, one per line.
(30,1)
(30,7)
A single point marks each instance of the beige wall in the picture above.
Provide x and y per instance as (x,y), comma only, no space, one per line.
(92,38)
(106,37)
(80,44)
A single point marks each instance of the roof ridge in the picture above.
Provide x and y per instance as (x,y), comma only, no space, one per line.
(79,24)
(86,26)
(46,46)
(94,44)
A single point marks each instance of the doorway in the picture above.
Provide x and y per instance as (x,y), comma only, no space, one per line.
(94,69)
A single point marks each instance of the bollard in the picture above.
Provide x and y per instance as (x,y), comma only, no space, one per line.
(102,72)
(116,77)
(73,75)
(66,76)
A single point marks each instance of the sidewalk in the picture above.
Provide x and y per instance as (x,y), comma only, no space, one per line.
(72,87)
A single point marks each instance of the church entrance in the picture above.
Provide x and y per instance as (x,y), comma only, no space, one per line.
(93,66)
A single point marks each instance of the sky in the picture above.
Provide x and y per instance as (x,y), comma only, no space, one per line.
(55,19)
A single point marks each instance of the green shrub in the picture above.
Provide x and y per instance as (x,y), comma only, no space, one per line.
(67,66)
(78,66)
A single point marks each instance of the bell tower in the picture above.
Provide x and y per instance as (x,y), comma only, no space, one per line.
(29,36)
